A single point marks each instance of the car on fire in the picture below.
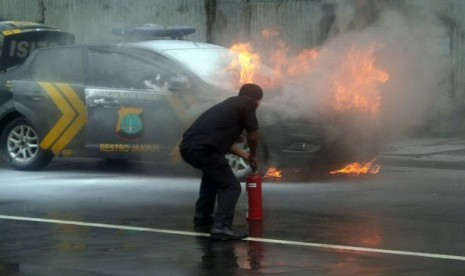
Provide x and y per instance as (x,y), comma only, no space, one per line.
(127,100)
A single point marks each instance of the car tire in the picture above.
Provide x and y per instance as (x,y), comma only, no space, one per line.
(20,146)
(241,167)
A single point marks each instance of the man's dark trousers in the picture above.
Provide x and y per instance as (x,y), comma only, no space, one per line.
(218,180)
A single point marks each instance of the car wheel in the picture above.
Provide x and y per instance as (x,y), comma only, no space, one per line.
(20,146)
(241,167)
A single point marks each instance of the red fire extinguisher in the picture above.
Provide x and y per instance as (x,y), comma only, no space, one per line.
(254,190)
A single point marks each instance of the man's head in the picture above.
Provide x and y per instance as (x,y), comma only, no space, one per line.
(251,90)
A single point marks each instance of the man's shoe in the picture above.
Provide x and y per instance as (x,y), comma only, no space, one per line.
(223,232)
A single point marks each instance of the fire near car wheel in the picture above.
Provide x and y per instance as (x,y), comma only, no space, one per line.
(20,146)
(241,167)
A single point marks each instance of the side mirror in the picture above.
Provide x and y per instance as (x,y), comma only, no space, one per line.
(178,84)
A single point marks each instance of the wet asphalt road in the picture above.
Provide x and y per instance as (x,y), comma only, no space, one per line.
(89,218)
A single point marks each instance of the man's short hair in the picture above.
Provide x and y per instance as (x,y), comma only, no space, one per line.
(251,90)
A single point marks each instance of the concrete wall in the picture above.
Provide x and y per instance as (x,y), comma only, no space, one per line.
(220,21)
(457,34)
(297,21)
(21,10)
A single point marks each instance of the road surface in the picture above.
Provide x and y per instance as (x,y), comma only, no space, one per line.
(90,218)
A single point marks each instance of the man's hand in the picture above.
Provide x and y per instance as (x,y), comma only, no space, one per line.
(252,142)
(238,152)
(252,159)
(253,162)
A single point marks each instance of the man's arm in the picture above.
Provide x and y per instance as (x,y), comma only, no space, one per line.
(252,142)
(237,151)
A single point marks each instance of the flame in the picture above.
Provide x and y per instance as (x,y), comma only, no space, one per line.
(247,64)
(245,61)
(282,63)
(292,67)
(273,172)
(356,84)
(357,168)
(355,81)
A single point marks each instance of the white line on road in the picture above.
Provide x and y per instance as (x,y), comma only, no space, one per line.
(272,241)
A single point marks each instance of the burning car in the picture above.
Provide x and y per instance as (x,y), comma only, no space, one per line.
(132,100)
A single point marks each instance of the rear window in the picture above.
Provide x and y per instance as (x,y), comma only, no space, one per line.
(58,65)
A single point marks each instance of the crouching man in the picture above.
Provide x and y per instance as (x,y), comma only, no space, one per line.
(205,144)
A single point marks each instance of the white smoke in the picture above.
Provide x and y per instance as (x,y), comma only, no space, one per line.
(409,46)
(418,69)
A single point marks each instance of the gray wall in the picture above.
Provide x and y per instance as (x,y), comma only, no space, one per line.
(21,10)
(92,20)
(220,21)
(457,34)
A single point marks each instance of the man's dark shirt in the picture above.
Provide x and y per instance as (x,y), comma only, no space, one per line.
(219,127)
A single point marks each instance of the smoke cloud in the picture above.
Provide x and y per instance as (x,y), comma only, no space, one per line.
(409,43)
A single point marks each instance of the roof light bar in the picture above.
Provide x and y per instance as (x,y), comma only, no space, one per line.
(151,31)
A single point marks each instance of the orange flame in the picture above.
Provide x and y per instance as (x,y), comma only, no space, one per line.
(247,64)
(245,60)
(357,168)
(355,82)
(293,67)
(273,172)
(284,64)
(356,86)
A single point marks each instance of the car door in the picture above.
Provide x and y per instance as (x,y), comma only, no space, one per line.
(51,96)
(130,109)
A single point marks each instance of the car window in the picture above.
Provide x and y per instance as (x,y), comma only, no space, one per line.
(119,70)
(58,65)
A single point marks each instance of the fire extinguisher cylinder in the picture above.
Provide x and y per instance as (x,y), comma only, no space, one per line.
(254,191)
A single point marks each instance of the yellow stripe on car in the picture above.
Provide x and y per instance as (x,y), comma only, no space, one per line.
(10,32)
(78,123)
(73,116)
(67,115)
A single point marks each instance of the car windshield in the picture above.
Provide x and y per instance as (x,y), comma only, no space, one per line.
(208,63)
(211,64)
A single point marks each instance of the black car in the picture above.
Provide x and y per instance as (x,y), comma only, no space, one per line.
(130,100)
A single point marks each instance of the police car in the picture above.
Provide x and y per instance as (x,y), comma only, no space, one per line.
(127,100)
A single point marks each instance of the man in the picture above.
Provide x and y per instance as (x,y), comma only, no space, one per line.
(205,144)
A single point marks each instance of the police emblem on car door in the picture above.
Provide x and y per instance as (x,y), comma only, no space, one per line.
(128,107)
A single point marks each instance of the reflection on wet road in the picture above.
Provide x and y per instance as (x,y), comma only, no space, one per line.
(82,221)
